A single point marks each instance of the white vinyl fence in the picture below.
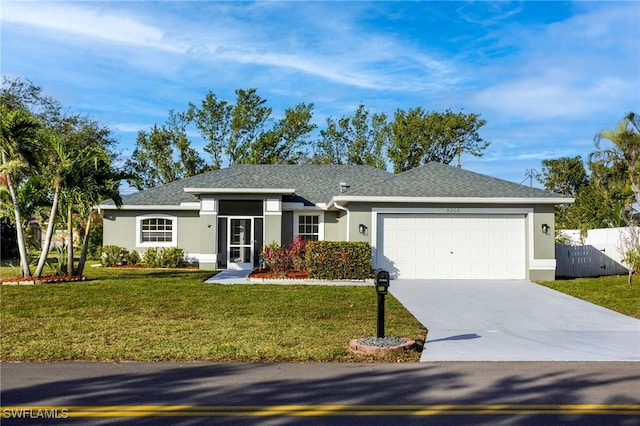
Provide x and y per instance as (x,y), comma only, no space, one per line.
(600,253)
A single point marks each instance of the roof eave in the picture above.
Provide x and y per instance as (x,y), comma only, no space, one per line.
(208,191)
(453,200)
(182,206)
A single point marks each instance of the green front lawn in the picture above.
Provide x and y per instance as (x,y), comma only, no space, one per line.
(611,292)
(170,315)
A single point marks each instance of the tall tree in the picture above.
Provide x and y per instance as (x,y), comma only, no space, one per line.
(332,146)
(189,159)
(245,133)
(64,143)
(164,154)
(20,93)
(98,183)
(599,194)
(284,143)
(68,173)
(623,150)
(249,118)
(20,144)
(152,161)
(360,139)
(213,120)
(418,137)
(366,138)
(565,175)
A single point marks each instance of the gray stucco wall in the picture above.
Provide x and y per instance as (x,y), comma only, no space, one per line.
(360,215)
(332,231)
(119,229)
(192,231)
(273,229)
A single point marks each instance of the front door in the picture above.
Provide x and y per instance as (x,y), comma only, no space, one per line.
(240,243)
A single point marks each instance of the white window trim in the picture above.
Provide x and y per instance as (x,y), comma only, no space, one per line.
(174,231)
(296,223)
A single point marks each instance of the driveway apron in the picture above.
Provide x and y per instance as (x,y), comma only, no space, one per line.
(470,320)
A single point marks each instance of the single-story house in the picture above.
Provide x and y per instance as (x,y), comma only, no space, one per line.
(434,221)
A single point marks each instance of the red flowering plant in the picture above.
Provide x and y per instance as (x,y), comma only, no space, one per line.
(277,259)
(297,251)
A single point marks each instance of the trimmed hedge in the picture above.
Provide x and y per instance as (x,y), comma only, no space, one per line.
(338,260)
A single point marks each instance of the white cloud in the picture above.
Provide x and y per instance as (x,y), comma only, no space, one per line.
(320,42)
(580,67)
(89,22)
(546,97)
(332,49)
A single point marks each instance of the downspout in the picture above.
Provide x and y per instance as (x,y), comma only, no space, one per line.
(335,203)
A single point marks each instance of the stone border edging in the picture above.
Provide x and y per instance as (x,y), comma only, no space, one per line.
(357,348)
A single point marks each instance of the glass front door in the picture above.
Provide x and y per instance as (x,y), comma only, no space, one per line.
(240,243)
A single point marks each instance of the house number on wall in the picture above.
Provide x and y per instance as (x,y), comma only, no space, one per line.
(453,210)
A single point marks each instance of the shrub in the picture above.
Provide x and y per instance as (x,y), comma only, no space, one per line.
(297,252)
(95,241)
(170,257)
(278,259)
(60,266)
(632,262)
(151,257)
(112,255)
(336,260)
(132,257)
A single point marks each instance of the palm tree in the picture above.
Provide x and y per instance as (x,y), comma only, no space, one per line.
(19,143)
(60,164)
(67,173)
(625,150)
(102,183)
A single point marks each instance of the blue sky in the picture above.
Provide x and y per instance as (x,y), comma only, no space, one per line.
(546,76)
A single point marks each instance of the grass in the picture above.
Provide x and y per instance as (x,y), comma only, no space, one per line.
(10,268)
(611,292)
(170,315)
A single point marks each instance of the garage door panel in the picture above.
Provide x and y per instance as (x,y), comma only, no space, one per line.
(479,269)
(437,269)
(453,247)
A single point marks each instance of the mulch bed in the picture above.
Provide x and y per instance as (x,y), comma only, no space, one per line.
(42,280)
(291,275)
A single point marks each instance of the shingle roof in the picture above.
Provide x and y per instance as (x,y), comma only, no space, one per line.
(440,180)
(312,183)
(316,184)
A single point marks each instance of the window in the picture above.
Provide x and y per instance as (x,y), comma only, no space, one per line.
(309,227)
(156,231)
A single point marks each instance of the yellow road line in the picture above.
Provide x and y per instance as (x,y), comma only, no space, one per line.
(321,410)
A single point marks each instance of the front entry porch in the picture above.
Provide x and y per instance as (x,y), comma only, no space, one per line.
(240,240)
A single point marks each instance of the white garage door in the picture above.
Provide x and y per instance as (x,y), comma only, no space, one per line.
(452,246)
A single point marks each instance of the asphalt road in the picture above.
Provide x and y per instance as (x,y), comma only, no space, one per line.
(451,393)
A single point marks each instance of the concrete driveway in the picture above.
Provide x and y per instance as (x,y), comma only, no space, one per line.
(472,320)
